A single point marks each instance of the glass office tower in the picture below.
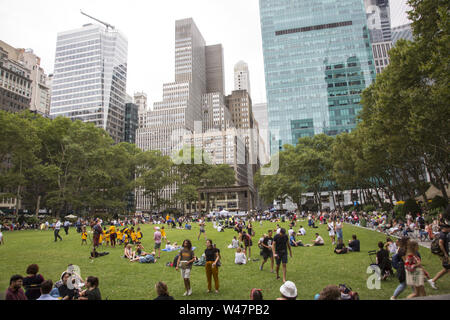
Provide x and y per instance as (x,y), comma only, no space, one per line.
(90,75)
(317,60)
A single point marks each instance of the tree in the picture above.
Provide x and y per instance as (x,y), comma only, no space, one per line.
(154,172)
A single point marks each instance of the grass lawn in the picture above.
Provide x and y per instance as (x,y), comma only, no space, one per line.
(311,268)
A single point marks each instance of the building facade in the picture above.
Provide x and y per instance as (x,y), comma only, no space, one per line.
(317,62)
(15,84)
(242,77)
(381,55)
(89,79)
(131,122)
(402,32)
(378,20)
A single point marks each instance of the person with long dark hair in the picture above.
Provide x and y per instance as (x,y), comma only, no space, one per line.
(32,283)
(185,260)
(211,267)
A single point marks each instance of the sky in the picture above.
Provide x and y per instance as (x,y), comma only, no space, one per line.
(149,26)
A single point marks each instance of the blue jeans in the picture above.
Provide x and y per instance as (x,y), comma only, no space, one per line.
(401,287)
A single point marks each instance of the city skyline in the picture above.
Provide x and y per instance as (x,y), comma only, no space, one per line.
(237,28)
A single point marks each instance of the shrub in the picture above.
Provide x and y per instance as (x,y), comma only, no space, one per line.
(399,211)
(411,206)
(369,208)
(438,202)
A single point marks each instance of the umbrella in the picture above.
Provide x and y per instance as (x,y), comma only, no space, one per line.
(70,216)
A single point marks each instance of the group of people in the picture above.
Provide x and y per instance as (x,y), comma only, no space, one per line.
(69,287)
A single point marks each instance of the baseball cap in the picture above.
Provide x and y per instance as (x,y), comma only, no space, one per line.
(288,289)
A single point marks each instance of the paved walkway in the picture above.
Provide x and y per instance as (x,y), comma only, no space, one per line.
(426,244)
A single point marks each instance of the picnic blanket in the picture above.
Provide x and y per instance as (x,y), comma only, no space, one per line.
(175,249)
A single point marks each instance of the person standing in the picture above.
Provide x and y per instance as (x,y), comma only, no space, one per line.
(267,250)
(15,291)
(211,268)
(280,247)
(98,231)
(331,228)
(185,260)
(339,232)
(66,227)
(157,238)
(247,240)
(415,272)
(201,224)
(56,230)
(444,245)
(112,235)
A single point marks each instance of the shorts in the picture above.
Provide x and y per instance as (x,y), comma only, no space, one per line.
(186,273)
(267,254)
(281,258)
(445,263)
(340,234)
(157,245)
(202,230)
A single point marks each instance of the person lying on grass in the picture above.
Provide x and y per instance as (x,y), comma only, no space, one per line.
(145,258)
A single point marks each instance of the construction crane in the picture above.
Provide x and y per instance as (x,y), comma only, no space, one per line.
(106,24)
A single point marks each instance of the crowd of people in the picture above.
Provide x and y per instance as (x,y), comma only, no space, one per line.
(400,254)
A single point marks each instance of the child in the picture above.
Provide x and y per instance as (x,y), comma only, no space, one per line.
(119,237)
(84,236)
(163,233)
(139,235)
(239,257)
(234,243)
(107,238)
(415,272)
(133,236)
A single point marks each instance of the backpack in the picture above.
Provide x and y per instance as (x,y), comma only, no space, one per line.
(435,247)
(347,293)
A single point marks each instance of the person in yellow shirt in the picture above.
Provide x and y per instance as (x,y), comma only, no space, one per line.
(133,236)
(100,239)
(119,237)
(139,235)
(107,237)
(112,235)
(84,236)
(125,238)
(163,234)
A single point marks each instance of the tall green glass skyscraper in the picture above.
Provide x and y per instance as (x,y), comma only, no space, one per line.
(317,60)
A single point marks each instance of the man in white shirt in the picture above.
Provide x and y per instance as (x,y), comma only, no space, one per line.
(56,232)
(301,231)
(319,241)
(46,287)
(240,257)
(66,227)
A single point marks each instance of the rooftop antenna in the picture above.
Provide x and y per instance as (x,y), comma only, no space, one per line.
(104,23)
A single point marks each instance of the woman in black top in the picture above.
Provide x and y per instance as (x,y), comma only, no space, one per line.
(383,261)
(32,283)
(211,266)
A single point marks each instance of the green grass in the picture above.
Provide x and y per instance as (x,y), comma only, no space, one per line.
(311,268)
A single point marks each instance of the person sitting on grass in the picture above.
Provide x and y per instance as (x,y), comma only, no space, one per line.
(162,291)
(340,249)
(354,244)
(301,231)
(239,257)
(234,243)
(288,291)
(318,241)
(92,292)
(383,261)
(145,258)
(128,252)
(293,242)
(46,288)
(256,294)
(330,292)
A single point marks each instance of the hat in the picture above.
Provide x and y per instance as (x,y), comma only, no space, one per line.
(288,289)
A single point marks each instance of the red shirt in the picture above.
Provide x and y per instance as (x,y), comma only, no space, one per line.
(15,295)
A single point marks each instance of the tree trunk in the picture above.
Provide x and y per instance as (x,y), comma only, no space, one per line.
(38,205)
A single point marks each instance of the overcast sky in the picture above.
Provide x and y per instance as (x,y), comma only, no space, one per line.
(150,28)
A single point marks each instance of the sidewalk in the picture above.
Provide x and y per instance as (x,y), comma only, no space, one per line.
(426,244)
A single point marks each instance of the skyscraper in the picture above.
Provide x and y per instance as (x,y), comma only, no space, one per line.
(317,61)
(90,76)
(378,20)
(241,77)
